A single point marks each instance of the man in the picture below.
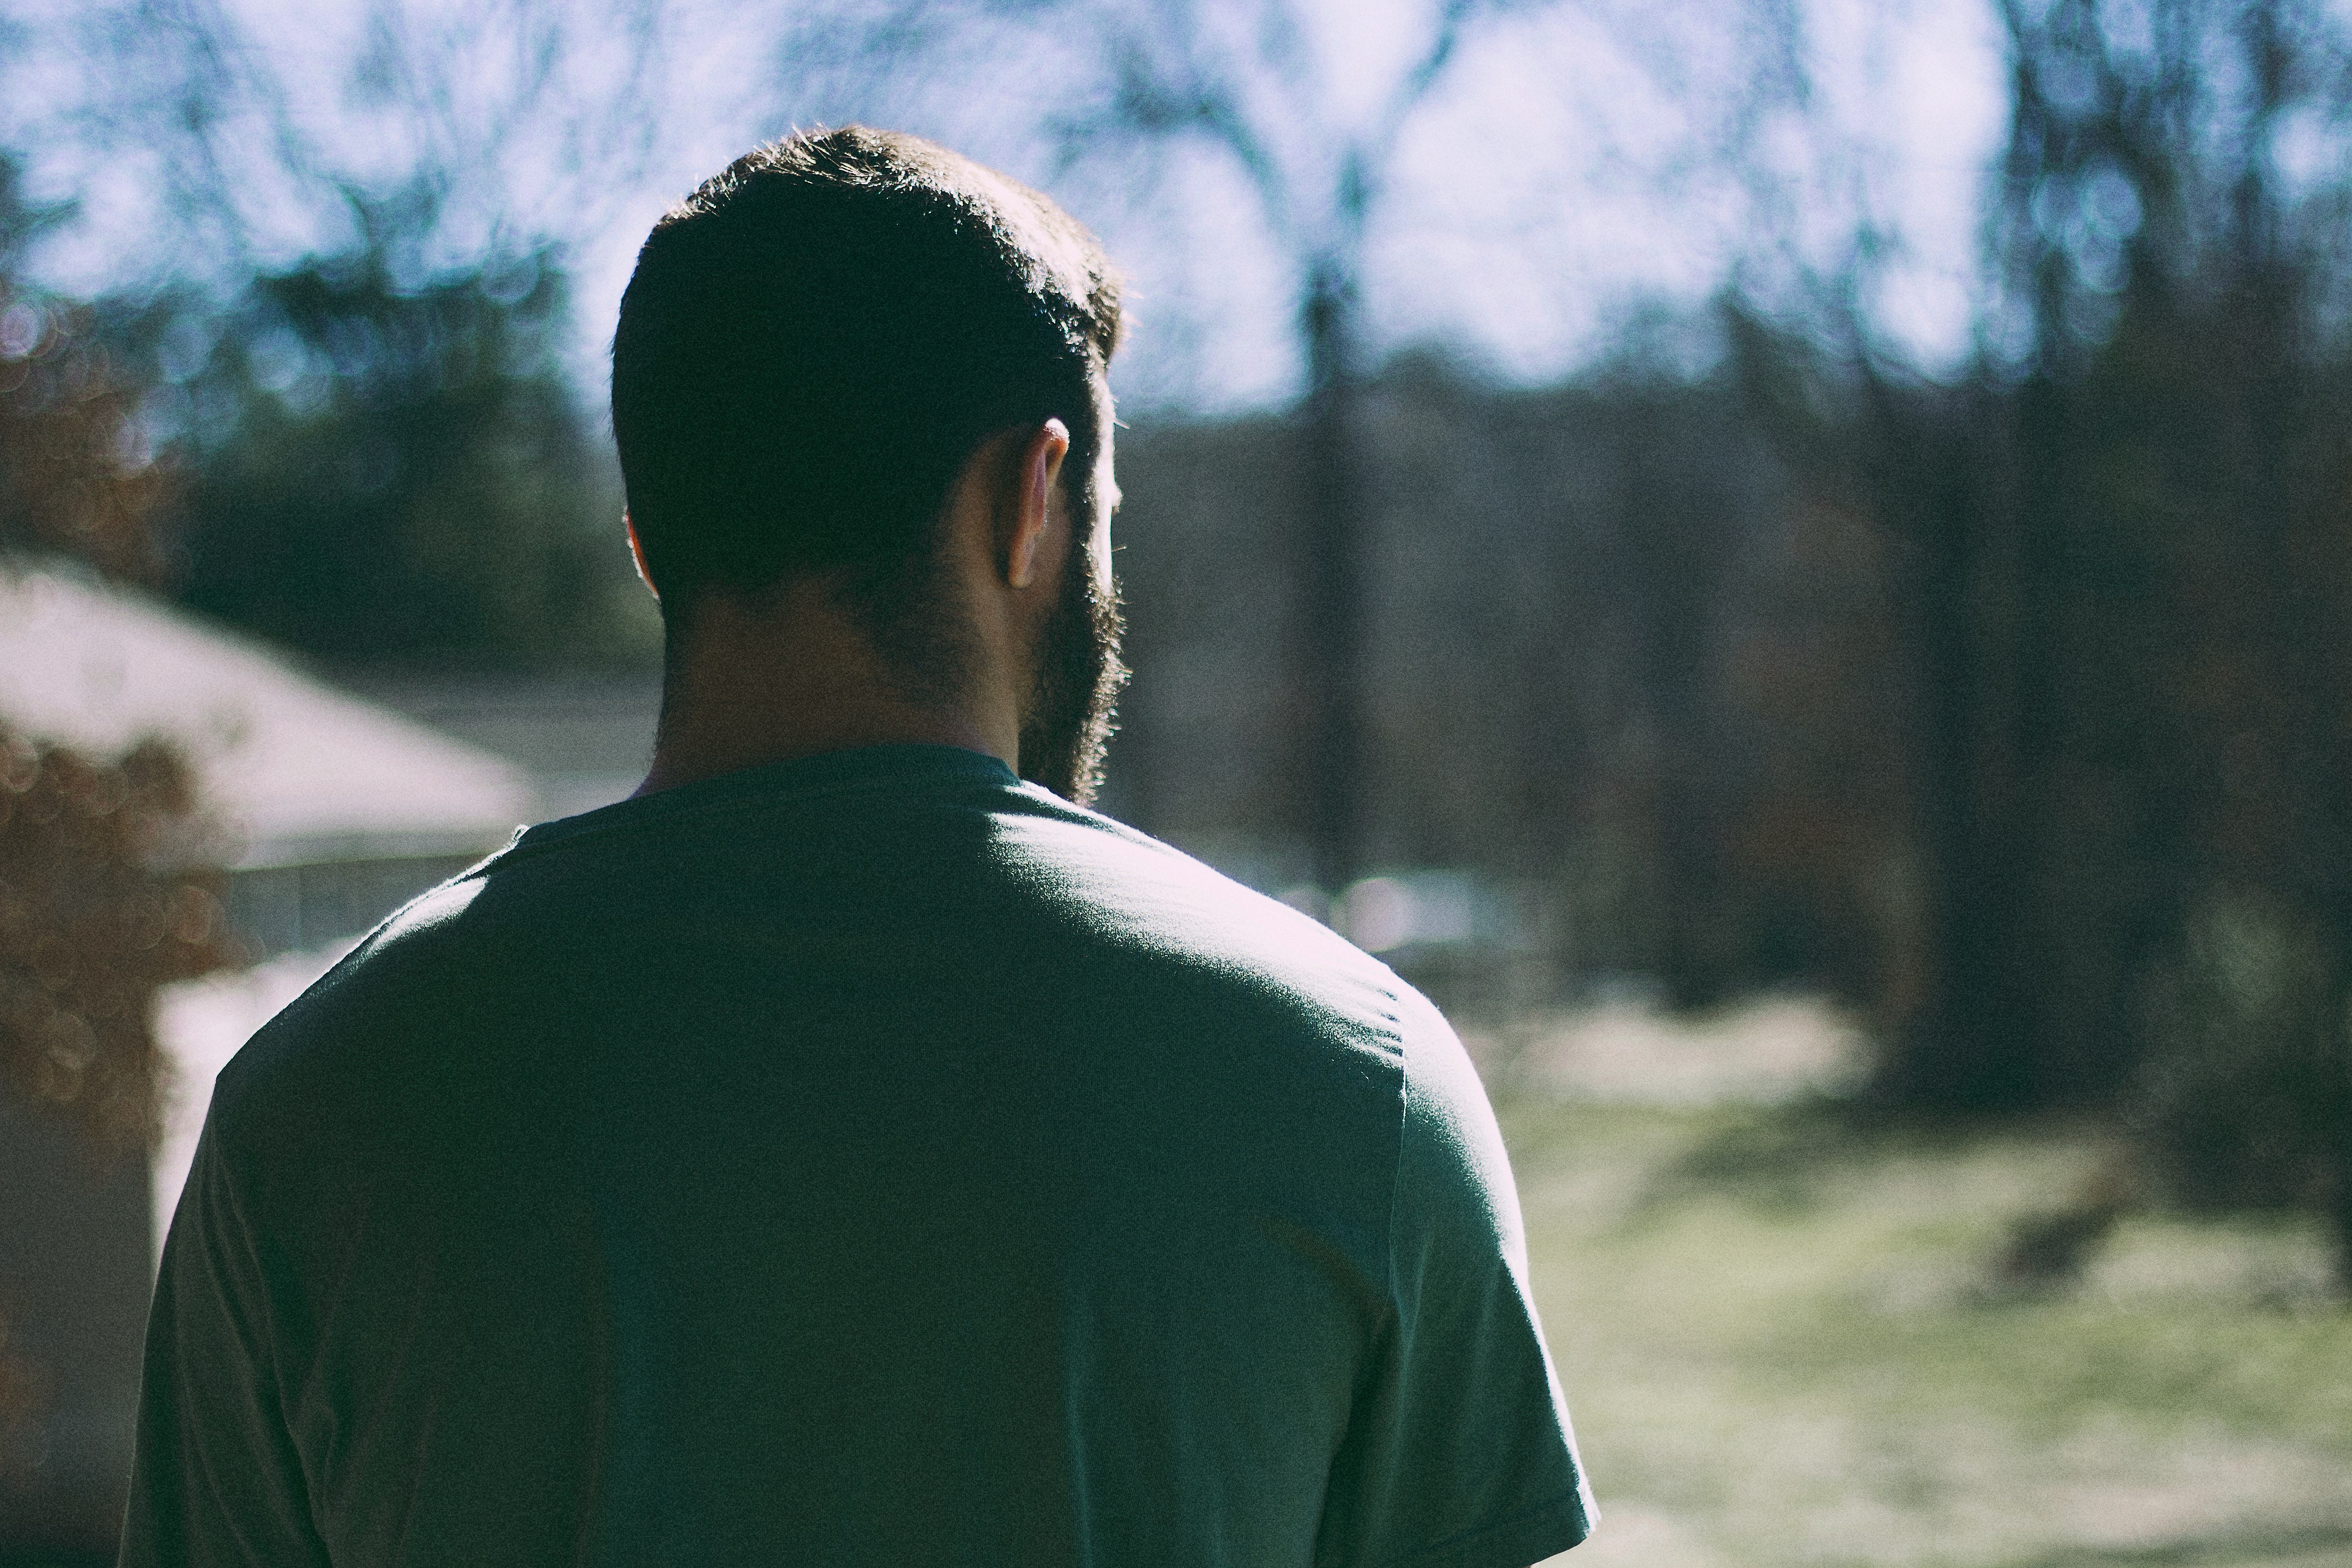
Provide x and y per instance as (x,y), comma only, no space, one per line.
(844,1151)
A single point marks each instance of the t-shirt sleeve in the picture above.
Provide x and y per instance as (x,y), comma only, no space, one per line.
(1460,1454)
(215,1479)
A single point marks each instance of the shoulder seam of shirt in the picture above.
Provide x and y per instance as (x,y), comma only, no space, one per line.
(1396,1164)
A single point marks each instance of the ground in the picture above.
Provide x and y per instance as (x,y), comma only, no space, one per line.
(1784,1341)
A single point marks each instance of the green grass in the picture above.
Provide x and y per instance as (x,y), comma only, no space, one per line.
(1782,1343)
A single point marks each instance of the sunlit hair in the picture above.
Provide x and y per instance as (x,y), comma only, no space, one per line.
(814,341)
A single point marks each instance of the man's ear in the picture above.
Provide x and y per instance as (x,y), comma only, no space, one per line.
(1032,515)
(638,554)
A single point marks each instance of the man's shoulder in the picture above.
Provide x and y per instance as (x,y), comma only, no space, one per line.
(1185,946)
(1133,882)
(323,1049)
(1150,905)
(1104,932)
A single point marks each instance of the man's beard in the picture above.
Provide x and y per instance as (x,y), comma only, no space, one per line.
(1070,719)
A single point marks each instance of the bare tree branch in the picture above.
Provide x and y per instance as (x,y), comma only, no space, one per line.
(498,103)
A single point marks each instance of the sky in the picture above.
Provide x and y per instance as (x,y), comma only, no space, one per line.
(1563,175)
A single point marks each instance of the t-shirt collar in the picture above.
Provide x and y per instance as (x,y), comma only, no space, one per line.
(901,765)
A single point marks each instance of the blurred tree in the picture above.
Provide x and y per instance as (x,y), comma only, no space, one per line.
(2129,605)
(483,120)
(2124,588)
(383,457)
(388,464)
(105,895)
(78,469)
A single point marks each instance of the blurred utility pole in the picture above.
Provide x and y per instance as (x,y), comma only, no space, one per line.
(1332,571)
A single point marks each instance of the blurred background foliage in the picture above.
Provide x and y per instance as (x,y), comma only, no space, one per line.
(105,896)
(388,466)
(2001,694)
(72,478)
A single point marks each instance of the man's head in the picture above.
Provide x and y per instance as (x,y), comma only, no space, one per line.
(815,346)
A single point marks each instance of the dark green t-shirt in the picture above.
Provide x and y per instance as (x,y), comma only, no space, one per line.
(870,1159)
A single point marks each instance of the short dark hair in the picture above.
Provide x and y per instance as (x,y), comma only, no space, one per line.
(817,339)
